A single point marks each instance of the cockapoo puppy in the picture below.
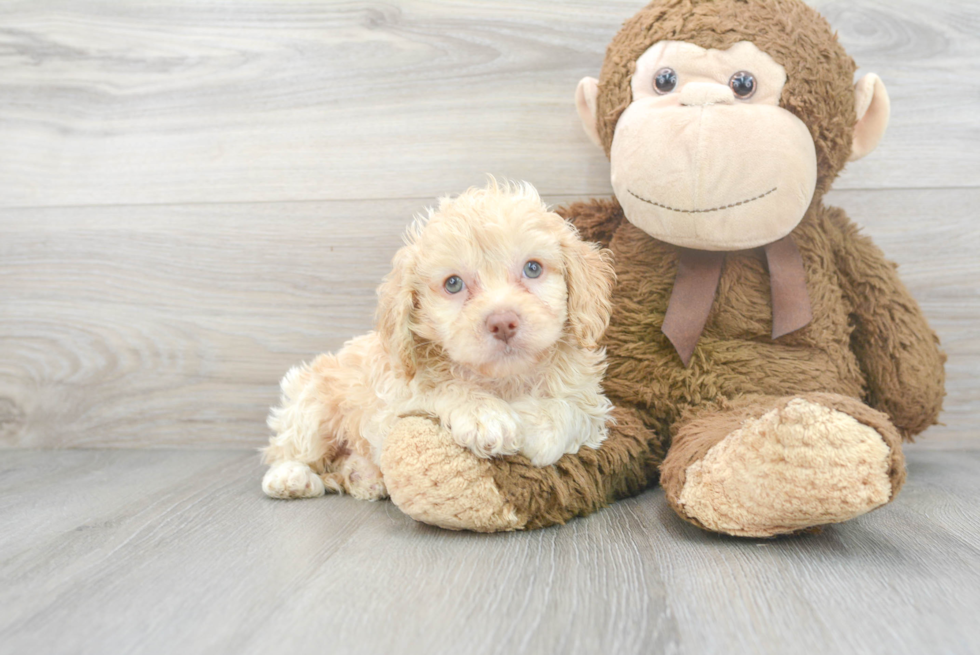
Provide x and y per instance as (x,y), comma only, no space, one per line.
(488,323)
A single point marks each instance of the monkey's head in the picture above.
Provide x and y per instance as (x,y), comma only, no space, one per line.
(725,119)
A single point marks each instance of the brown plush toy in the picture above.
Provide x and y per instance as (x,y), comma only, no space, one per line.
(765,360)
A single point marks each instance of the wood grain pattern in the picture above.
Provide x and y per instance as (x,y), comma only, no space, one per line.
(172,239)
(196,195)
(159,326)
(182,101)
(167,326)
(178,551)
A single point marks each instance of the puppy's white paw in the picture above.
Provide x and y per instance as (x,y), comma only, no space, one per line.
(553,428)
(292,480)
(545,448)
(487,428)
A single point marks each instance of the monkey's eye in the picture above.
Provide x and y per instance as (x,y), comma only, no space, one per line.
(665,80)
(742,84)
(533,269)
(454,284)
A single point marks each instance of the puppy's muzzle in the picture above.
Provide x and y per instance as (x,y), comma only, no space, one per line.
(503,325)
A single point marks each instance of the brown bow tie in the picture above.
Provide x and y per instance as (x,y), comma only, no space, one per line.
(698,272)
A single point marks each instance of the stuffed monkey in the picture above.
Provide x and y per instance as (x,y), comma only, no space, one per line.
(764,358)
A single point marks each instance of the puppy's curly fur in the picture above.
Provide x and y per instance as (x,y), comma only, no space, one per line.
(488,322)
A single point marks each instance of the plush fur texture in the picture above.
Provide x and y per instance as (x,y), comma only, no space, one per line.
(759,467)
(868,338)
(819,74)
(436,481)
(504,356)
(678,168)
(865,373)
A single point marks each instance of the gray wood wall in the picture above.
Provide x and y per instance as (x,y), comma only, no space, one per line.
(195,195)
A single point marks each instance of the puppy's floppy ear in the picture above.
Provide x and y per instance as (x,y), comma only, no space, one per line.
(589,275)
(396,303)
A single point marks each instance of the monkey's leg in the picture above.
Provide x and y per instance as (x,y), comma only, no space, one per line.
(765,466)
(435,481)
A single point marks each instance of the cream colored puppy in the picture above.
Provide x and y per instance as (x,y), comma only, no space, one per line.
(488,323)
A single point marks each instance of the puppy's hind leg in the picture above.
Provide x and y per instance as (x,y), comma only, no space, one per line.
(358,476)
(305,445)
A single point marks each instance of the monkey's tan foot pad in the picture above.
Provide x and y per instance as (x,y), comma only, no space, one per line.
(795,467)
(435,481)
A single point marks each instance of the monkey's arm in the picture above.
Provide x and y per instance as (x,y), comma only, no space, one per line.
(898,351)
(436,481)
(596,220)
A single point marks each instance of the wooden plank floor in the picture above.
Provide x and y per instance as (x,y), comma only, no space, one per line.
(177,551)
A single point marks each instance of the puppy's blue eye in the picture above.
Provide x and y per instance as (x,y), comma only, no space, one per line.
(533,269)
(454,284)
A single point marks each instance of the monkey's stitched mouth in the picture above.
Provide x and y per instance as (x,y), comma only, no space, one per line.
(703,211)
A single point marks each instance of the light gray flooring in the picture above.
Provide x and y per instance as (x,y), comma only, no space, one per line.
(196,195)
(165,551)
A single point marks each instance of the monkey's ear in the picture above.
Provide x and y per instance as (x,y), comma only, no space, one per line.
(585,102)
(873,108)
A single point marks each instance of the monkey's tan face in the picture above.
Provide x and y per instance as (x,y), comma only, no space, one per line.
(704,157)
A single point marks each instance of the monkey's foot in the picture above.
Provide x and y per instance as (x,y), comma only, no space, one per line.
(788,465)
(436,481)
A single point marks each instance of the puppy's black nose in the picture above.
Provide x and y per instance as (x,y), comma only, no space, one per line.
(503,325)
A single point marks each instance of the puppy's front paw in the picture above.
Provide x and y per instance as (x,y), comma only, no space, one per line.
(486,428)
(553,428)
(544,448)
(292,480)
